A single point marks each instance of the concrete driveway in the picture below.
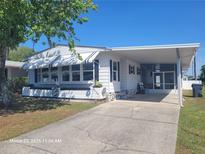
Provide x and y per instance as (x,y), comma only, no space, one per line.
(120,127)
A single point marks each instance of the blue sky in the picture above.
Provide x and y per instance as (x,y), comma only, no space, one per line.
(148,22)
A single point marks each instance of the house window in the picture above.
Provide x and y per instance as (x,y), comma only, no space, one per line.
(88,71)
(54,74)
(66,73)
(76,72)
(115,71)
(37,75)
(45,75)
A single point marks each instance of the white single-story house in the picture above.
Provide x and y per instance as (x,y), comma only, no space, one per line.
(14,69)
(57,72)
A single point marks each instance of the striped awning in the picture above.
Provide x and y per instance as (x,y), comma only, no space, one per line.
(39,63)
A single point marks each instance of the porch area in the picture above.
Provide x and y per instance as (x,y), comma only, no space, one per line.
(158,68)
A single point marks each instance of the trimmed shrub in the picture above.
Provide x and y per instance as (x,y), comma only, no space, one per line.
(97,84)
(16,84)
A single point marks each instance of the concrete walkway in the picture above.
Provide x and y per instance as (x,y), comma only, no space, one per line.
(120,127)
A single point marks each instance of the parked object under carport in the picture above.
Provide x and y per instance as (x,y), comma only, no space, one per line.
(197,90)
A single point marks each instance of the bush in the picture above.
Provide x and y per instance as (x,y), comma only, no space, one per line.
(16,84)
(97,84)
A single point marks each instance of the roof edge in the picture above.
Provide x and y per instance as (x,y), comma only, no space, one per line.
(64,45)
(187,45)
(83,46)
(10,63)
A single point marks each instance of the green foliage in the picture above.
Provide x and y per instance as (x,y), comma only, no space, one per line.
(16,84)
(191,127)
(21,20)
(20,54)
(202,75)
(97,84)
(13,22)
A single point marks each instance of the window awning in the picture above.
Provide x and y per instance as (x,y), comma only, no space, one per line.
(74,59)
(39,63)
(60,60)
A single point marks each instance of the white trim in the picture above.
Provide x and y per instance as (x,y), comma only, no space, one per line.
(179,78)
(170,46)
(17,64)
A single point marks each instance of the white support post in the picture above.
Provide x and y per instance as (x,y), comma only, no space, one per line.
(179,78)
(94,80)
(195,78)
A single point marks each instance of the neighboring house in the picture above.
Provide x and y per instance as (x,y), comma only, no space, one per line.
(187,84)
(14,69)
(56,72)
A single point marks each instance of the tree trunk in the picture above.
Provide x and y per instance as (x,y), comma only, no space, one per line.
(3,52)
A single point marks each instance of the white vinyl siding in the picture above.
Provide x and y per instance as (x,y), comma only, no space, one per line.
(104,78)
(104,71)
(129,81)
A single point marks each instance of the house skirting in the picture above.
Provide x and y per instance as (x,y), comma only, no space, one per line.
(93,93)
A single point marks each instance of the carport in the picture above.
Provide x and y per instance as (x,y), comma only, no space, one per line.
(158,61)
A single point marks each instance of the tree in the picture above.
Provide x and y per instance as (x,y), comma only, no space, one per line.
(21,20)
(20,54)
(202,75)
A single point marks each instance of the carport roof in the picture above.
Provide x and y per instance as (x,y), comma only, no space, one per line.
(159,53)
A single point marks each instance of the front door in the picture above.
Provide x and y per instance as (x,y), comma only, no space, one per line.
(164,80)
(158,80)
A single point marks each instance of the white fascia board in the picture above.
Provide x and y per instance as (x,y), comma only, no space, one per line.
(152,47)
(10,63)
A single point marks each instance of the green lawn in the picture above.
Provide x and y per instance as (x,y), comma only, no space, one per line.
(191,129)
(28,114)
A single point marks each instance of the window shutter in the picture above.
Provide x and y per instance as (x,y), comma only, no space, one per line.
(129,69)
(118,65)
(110,70)
(36,74)
(97,70)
